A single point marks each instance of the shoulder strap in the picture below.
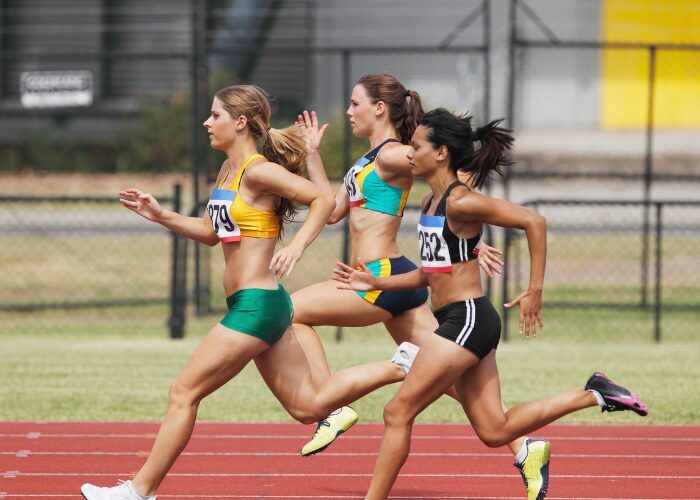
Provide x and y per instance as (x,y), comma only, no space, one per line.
(372,154)
(440,209)
(237,180)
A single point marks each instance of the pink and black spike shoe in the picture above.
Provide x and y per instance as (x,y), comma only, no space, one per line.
(615,397)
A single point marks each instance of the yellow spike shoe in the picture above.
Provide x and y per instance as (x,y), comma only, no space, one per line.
(329,429)
(535,468)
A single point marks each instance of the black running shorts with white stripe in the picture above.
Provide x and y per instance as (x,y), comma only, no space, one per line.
(474,324)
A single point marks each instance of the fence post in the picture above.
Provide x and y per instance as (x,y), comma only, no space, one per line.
(199,107)
(657,265)
(648,163)
(506,245)
(176,321)
(346,163)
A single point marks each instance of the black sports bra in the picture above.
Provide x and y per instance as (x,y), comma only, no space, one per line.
(439,246)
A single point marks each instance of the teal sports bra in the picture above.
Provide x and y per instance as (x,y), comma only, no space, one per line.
(367,190)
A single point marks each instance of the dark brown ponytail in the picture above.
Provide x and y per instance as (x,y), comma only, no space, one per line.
(405,107)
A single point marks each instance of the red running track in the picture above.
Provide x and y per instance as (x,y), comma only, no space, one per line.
(233,461)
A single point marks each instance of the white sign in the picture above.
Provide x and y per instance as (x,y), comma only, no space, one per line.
(53,89)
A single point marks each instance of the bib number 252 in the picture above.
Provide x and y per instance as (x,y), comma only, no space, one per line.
(430,246)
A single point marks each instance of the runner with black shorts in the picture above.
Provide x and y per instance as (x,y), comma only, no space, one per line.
(463,353)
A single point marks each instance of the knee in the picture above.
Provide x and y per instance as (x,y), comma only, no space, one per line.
(396,413)
(179,395)
(304,416)
(491,438)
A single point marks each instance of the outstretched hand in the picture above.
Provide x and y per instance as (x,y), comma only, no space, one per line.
(142,203)
(488,260)
(530,303)
(354,279)
(308,125)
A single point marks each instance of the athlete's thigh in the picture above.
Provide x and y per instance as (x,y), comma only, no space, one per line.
(479,390)
(324,304)
(218,358)
(438,364)
(415,325)
(286,371)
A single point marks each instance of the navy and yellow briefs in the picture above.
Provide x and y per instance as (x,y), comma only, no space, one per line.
(395,302)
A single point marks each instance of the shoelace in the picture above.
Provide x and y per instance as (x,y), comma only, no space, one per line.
(323,422)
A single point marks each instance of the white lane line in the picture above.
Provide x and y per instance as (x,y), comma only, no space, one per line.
(28,453)
(334,497)
(306,475)
(345,437)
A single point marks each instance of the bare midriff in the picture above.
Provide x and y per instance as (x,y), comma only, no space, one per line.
(463,283)
(372,235)
(248,264)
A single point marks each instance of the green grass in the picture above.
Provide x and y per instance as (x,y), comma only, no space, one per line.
(117,363)
(83,366)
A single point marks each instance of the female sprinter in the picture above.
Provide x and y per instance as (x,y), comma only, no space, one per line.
(463,353)
(373,197)
(253,198)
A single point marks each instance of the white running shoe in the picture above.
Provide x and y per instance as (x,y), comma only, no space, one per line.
(404,355)
(123,491)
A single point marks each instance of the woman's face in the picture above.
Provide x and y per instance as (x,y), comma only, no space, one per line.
(361,112)
(422,157)
(221,127)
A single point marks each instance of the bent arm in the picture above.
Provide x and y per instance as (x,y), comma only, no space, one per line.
(406,281)
(474,207)
(195,228)
(363,280)
(297,189)
(144,204)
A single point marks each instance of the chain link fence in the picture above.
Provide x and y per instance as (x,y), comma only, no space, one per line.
(615,269)
(587,101)
(72,261)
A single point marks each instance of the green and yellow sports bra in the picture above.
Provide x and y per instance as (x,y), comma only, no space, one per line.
(367,190)
(232,217)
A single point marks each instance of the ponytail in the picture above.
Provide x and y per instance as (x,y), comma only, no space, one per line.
(287,148)
(411,114)
(403,105)
(495,143)
(456,134)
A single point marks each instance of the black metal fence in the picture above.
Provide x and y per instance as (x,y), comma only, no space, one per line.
(87,256)
(598,269)
(154,68)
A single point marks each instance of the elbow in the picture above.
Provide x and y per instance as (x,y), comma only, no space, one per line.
(334,217)
(536,222)
(540,222)
(328,205)
(211,242)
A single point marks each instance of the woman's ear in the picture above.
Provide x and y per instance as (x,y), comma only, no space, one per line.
(379,108)
(241,122)
(442,153)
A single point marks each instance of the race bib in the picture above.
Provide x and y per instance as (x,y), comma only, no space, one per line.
(434,254)
(219,208)
(351,184)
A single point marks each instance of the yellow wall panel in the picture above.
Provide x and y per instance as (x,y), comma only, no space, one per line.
(625,73)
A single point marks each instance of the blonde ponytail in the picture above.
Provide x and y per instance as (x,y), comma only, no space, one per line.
(285,146)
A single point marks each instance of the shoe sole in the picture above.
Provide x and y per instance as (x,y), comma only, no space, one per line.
(634,404)
(319,450)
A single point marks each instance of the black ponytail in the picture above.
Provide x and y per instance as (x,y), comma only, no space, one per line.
(495,143)
(456,134)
